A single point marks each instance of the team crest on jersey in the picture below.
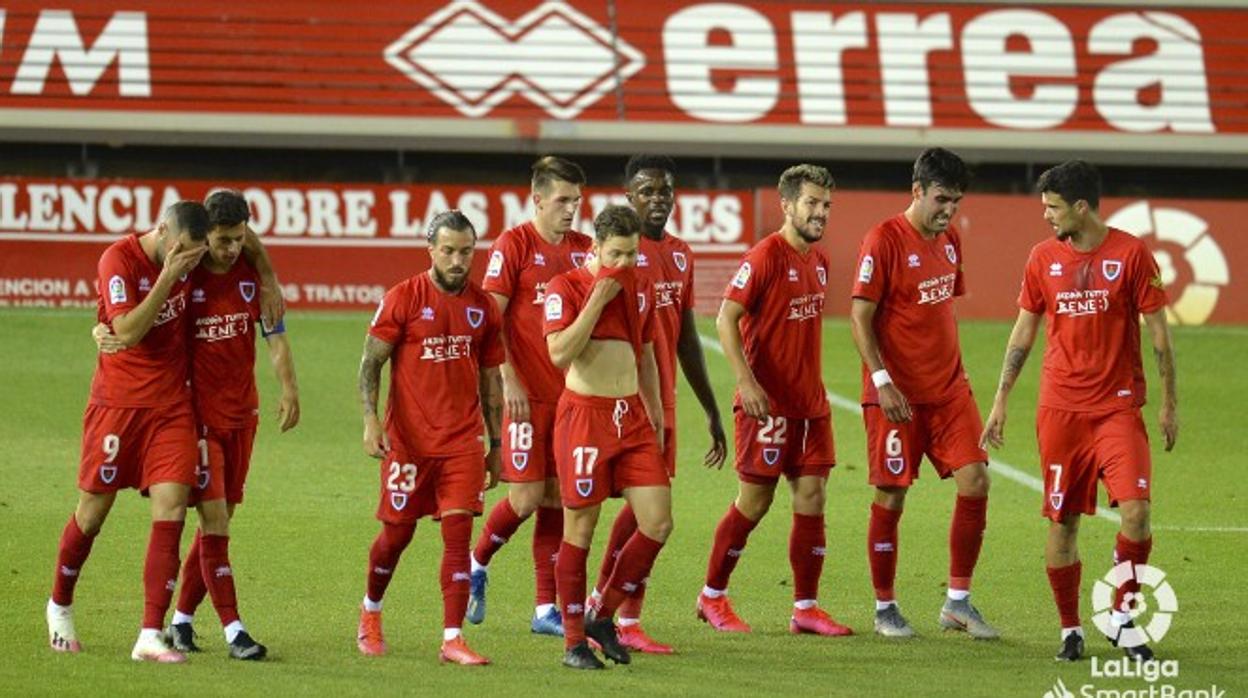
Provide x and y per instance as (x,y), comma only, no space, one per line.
(1056,499)
(108,473)
(822,274)
(951,253)
(771,456)
(895,465)
(642,260)
(520,461)
(495,267)
(398,500)
(554,307)
(680,260)
(1111,268)
(475,317)
(866,270)
(578,259)
(743,275)
(117,290)
(248,289)
(641,302)
(584,486)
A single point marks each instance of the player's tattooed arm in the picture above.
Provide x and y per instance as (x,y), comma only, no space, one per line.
(376,353)
(1163,350)
(1022,338)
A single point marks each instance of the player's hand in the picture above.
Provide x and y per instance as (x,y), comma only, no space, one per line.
(376,442)
(754,400)
(1169,420)
(718,452)
(272,304)
(288,411)
(181,260)
(604,290)
(515,400)
(493,467)
(894,405)
(105,341)
(994,428)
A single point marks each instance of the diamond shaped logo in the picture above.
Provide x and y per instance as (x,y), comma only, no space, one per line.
(474,59)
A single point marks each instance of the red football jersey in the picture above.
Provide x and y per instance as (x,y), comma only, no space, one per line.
(441,342)
(782,291)
(224,310)
(1092,303)
(521,264)
(668,265)
(154,372)
(565,297)
(914,281)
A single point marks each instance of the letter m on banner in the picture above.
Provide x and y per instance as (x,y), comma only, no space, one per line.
(56,38)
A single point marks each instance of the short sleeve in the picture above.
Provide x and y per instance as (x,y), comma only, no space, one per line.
(117,288)
(559,309)
(502,273)
(749,283)
(391,317)
(871,278)
(492,353)
(1031,296)
(1148,290)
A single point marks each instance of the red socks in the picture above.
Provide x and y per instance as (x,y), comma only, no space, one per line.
(72,554)
(384,556)
(160,572)
(1137,552)
(456,537)
(570,575)
(882,550)
(499,527)
(632,569)
(193,588)
(966,537)
(730,537)
(621,531)
(547,535)
(1065,584)
(218,576)
(806,551)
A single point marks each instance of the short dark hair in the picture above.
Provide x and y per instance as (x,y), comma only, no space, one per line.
(792,179)
(188,217)
(453,219)
(942,167)
(616,221)
(1073,180)
(227,208)
(646,161)
(551,168)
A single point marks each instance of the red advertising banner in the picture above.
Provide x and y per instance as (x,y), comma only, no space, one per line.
(335,246)
(1200,245)
(1109,68)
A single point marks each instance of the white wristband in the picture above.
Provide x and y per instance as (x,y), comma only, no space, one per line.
(881,378)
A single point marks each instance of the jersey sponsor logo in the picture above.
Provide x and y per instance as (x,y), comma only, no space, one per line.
(584,486)
(951,253)
(743,275)
(398,500)
(1111,268)
(771,456)
(446,348)
(866,270)
(495,267)
(912,261)
(108,473)
(641,302)
(426,313)
(822,274)
(247,289)
(679,259)
(520,461)
(116,290)
(172,308)
(554,307)
(1055,269)
(578,259)
(377,315)
(895,465)
(936,289)
(475,317)
(805,307)
(1077,303)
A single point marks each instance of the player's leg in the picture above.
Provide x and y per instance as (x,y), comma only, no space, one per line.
(882,551)
(75,546)
(458,487)
(547,537)
(807,543)
(218,574)
(570,576)
(160,570)
(621,530)
(653,507)
(1065,571)
(966,539)
(1122,448)
(383,558)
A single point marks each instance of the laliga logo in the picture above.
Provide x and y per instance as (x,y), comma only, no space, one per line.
(474,59)
(1185,252)
(1135,604)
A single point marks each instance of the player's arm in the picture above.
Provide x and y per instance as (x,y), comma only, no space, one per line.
(1022,337)
(272,305)
(648,385)
(693,364)
(284,367)
(567,344)
(861,321)
(515,398)
(133,325)
(490,385)
(753,398)
(376,354)
(1164,351)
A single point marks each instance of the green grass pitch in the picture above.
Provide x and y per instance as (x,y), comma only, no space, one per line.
(300,544)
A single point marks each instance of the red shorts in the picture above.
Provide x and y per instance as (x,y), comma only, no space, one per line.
(604,445)
(527,445)
(136,447)
(790,446)
(1078,448)
(669,440)
(416,487)
(224,459)
(947,433)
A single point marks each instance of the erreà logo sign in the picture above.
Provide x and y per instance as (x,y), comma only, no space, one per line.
(473,59)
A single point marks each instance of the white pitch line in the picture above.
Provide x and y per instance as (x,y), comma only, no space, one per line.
(1009,471)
